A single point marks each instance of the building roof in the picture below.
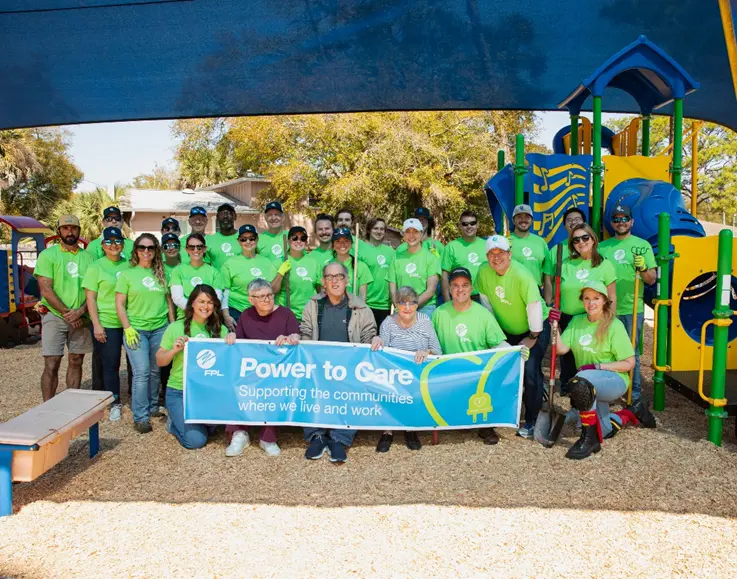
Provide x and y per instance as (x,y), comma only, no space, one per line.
(175,201)
(251,177)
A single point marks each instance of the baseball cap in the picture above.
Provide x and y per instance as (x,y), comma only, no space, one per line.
(169,221)
(247,228)
(422,212)
(296,229)
(197,211)
(226,207)
(412,223)
(112,233)
(595,285)
(273,205)
(622,210)
(342,232)
(112,210)
(459,272)
(167,237)
(522,209)
(67,220)
(497,242)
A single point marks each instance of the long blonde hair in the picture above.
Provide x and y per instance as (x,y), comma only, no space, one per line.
(607,317)
(157,264)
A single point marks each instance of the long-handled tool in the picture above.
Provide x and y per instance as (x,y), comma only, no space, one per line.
(285,256)
(550,422)
(635,251)
(355,261)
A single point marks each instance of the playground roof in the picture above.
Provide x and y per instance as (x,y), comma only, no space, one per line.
(75,61)
(25,224)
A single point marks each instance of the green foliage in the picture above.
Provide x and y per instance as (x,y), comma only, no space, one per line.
(88,207)
(159,178)
(203,153)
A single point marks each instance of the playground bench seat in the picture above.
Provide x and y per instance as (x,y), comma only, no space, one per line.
(37,440)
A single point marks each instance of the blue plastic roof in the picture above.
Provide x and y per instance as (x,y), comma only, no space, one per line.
(74,61)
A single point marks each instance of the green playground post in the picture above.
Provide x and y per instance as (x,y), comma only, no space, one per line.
(663,293)
(519,170)
(677,167)
(646,135)
(597,168)
(574,135)
(722,314)
(500,160)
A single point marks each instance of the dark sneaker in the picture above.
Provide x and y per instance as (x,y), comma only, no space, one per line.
(489,435)
(527,430)
(317,448)
(385,442)
(336,452)
(641,410)
(142,427)
(413,442)
(157,413)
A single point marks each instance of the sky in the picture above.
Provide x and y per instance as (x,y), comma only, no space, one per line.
(109,153)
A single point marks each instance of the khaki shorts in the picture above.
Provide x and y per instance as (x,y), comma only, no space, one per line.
(55,333)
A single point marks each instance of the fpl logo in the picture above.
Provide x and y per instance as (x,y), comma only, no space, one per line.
(150,283)
(255,272)
(381,260)
(499,291)
(473,258)
(461,330)
(206,360)
(195,281)
(301,271)
(410,268)
(226,247)
(73,269)
(619,255)
(526,251)
(582,274)
(585,340)
(276,250)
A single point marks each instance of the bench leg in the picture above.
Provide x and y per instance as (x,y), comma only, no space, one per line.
(6,483)
(435,437)
(94,440)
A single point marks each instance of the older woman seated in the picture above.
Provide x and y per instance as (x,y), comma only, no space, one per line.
(407,329)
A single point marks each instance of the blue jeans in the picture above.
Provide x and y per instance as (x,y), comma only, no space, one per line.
(609,387)
(110,353)
(345,437)
(626,319)
(145,399)
(428,310)
(534,380)
(190,436)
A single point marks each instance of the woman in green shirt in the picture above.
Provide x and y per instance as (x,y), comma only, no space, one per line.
(304,273)
(170,246)
(99,284)
(201,320)
(193,272)
(342,245)
(144,307)
(603,353)
(378,257)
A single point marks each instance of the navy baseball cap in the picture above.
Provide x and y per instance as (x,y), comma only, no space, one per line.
(273,205)
(169,221)
(296,229)
(197,211)
(622,210)
(459,272)
(226,207)
(342,232)
(422,212)
(168,237)
(112,210)
(112,233)
(247,228)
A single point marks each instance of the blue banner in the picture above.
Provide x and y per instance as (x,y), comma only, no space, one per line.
(558,182)
(500,196)
(348,386)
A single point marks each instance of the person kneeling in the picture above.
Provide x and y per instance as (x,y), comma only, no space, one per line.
(201,320)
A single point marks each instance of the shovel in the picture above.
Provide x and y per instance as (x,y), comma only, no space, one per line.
(550,422)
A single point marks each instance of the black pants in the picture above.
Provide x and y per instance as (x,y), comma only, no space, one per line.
(164,378)
(99,366)
(534,380)
(567,361)
(380,316)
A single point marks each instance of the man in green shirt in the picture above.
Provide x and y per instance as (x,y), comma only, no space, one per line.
(345,219)
(223,244)
(271,241)
(518,307)
(111,217)
(466,251)
(197,224)
(532,251)
(462,325)
(323,253)
(60,270)
(630,256)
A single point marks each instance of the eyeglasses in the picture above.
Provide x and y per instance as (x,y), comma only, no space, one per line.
(407,304)
(172,245)
(263,298)
(579,238)
(145,248)
(468,223)
(110,242)
(300,238)
(335,277)
(621,219)
(196,247)
(247,239)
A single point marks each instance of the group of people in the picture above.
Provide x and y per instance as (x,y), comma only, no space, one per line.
(148,297)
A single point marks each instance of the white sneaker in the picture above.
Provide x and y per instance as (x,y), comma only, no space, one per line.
(115,412)
(239,441)
(270,448)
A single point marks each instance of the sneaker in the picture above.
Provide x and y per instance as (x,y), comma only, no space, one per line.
(115,411)
(527,431)
(168,424)
(162,409)
(270,448)
(336,452)
(157,413)
(239,441)
(316,449)
(413,442)
(385,443)
(142,427)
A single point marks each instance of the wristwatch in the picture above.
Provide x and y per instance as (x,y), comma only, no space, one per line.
(533,335)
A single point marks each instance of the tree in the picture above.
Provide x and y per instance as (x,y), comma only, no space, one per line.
(88,207)
(202,153)
(159,178)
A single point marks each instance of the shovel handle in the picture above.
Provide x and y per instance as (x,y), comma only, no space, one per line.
(554,328)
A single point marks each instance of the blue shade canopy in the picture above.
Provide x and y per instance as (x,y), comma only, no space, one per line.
(75,61)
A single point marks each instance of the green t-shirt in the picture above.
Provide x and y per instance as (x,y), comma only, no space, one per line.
(322,256)
(533,253)
(169,270)
(304,278)
(147,307)
(619,252)
(414,269)
(574,274)
(174,331)
(427,244)
(364,275)
(361,250)
(271,245)
(378,259)
(580,337)
(468,331)
(460,253)
(102,277)
(66,270)
(188,276)
(509,295)
(239,271)
(221,248)
(94,248)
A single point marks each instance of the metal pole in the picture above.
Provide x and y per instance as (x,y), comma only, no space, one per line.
(597,168)
(519,170)
(663,291)
(500,160)
(646,136)
(694,165)
(721,312)
(574,135)
(677,167)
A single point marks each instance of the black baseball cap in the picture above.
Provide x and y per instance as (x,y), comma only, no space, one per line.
(296,229)
(273,205)
(167,237)
(459,272)
(169,221)
(112,210)
(197,211)
(226,207)
(342,232)
(423,212)
(622,210)
(247,228)
(112,233)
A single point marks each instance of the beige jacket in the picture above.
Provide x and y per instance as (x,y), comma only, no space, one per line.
(361,328)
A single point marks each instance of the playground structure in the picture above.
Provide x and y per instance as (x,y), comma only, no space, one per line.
(695,297)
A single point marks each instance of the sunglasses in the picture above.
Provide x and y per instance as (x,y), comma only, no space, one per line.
(621,219)
(247,239)
(197,247)
(145,247)
(169,229)
(111,219)
(300,238)
(468,223)
(579,238)
(172,245)
(110,242)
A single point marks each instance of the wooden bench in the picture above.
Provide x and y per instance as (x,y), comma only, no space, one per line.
(34,442)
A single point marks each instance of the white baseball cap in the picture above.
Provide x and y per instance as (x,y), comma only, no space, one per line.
(497,242)
(412,223)
(522,210)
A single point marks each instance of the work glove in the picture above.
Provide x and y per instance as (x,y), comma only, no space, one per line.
(132,338)
(589,367)
(434,251)
(525,351)
(284,268)
(640,263)
(554,315)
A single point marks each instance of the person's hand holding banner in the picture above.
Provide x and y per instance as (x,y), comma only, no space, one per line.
(179,343)
(230,338)
(291,340)
(421,356)
(377,343)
